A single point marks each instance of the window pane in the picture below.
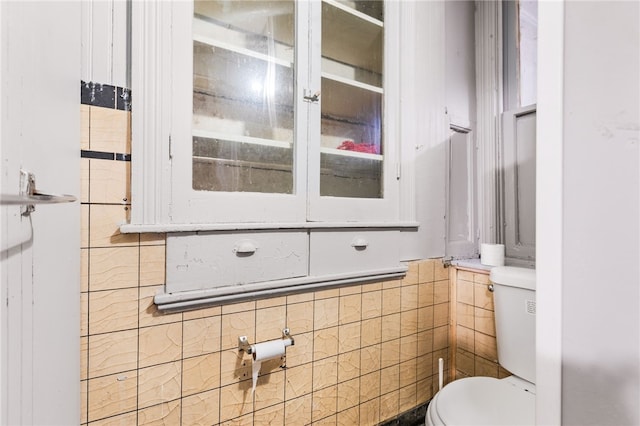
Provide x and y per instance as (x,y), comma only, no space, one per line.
(243,96)
(351,104)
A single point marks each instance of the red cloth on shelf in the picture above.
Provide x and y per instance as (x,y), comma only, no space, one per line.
(359,147)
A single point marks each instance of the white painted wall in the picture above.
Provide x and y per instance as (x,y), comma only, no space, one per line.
(588,248)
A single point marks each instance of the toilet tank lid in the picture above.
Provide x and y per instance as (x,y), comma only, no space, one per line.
(514,277)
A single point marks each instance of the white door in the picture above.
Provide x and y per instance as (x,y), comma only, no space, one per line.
(40,251)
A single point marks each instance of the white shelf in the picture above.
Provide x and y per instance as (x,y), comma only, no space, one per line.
(241,50)
(355,154)
(355,13)
(197,133)
(353,83)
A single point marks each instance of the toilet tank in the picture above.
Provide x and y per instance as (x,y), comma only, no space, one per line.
(514,301)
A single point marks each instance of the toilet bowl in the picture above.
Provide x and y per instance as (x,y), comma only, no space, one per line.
(483,401)
(487,400)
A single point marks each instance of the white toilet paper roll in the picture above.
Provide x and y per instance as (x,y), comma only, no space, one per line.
(264,352)
(492,254)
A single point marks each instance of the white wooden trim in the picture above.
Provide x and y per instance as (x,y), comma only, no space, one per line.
(489,107)
(186,300)
(347,153)
(549,212)
(248,226)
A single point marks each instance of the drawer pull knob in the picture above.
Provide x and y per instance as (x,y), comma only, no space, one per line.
(359,243)
(245,248)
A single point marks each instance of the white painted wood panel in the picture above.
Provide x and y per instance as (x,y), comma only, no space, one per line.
(197,261)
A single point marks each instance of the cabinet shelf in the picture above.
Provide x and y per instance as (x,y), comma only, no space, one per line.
(353,83)
(241,50)
(206,134)
(354,154)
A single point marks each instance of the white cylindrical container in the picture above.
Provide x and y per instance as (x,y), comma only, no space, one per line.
(492,254)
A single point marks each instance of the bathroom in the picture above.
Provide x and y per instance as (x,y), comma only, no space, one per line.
(365,352)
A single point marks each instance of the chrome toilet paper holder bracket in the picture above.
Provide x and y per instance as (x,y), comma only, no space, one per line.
(244,345)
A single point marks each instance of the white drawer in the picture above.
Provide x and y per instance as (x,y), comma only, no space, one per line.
(350,251)
(216,259)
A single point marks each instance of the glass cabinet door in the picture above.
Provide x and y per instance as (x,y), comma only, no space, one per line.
(243,96)
(351,122)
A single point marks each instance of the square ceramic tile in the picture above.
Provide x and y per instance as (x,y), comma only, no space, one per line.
(464,315)
(465,339)
(164,414)
(483,298)
(84,270)
(270,389)
(408,372)
(325,343)
(352,289)
(270,322)
(112,268)
(349,309)
(370,359)
(235,366)
(151,238)
(348,394)
(112,395)
(482,279)
(441,337)
(390,353)
(408,322)
(300,317)
(109,130)
(110,182)
(486,346)
(200,374)
(407,398)
(327,294)
(425,318)
(391,301)
(238,307)
(424,391)
(349,417)
(408,347)
(391,327)
(299,381)
(425,342)
(392,284)
(113,310)
(158,384)
(298,411)
(238,324)
(201,336)
(325,313)
(125,419)
(299,298)
(409,297)
(84,358)
(424,366)
(203,313)
(465,275)
(465,362)
(325,373)
(425,294)
(105,226)
(112,352)
(465,292)
(349,337)
(84,180)
(441,291)
(325,403)
(84,226)
(160,344)
(390,379)
(485,367)
(389,404)
(235,400)
(484,321)
(148,313)
(84,314)
(371,331)
(272,415)
(348,365)
(440,272)
(84,390)
(441,314)
(84,126)
(369,386)
(425,271)
(202,409)
(371,304)
(302,352)
(152,265)
(412,274)
(271,302)
(370,412)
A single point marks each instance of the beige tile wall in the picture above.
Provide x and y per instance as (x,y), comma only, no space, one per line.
(474,350)
(362,354)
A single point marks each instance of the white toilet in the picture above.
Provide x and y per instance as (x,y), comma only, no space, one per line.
(490,401)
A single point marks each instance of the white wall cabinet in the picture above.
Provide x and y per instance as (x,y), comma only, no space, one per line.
(259,121)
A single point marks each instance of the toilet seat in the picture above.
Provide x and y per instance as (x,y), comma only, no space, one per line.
(482,401)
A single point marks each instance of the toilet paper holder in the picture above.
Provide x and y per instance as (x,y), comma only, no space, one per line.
(244,345)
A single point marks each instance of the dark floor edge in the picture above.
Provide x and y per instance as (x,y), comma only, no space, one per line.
(413,417)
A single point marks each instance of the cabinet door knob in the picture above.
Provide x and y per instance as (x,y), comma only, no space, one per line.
(359,243)
(245,248)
